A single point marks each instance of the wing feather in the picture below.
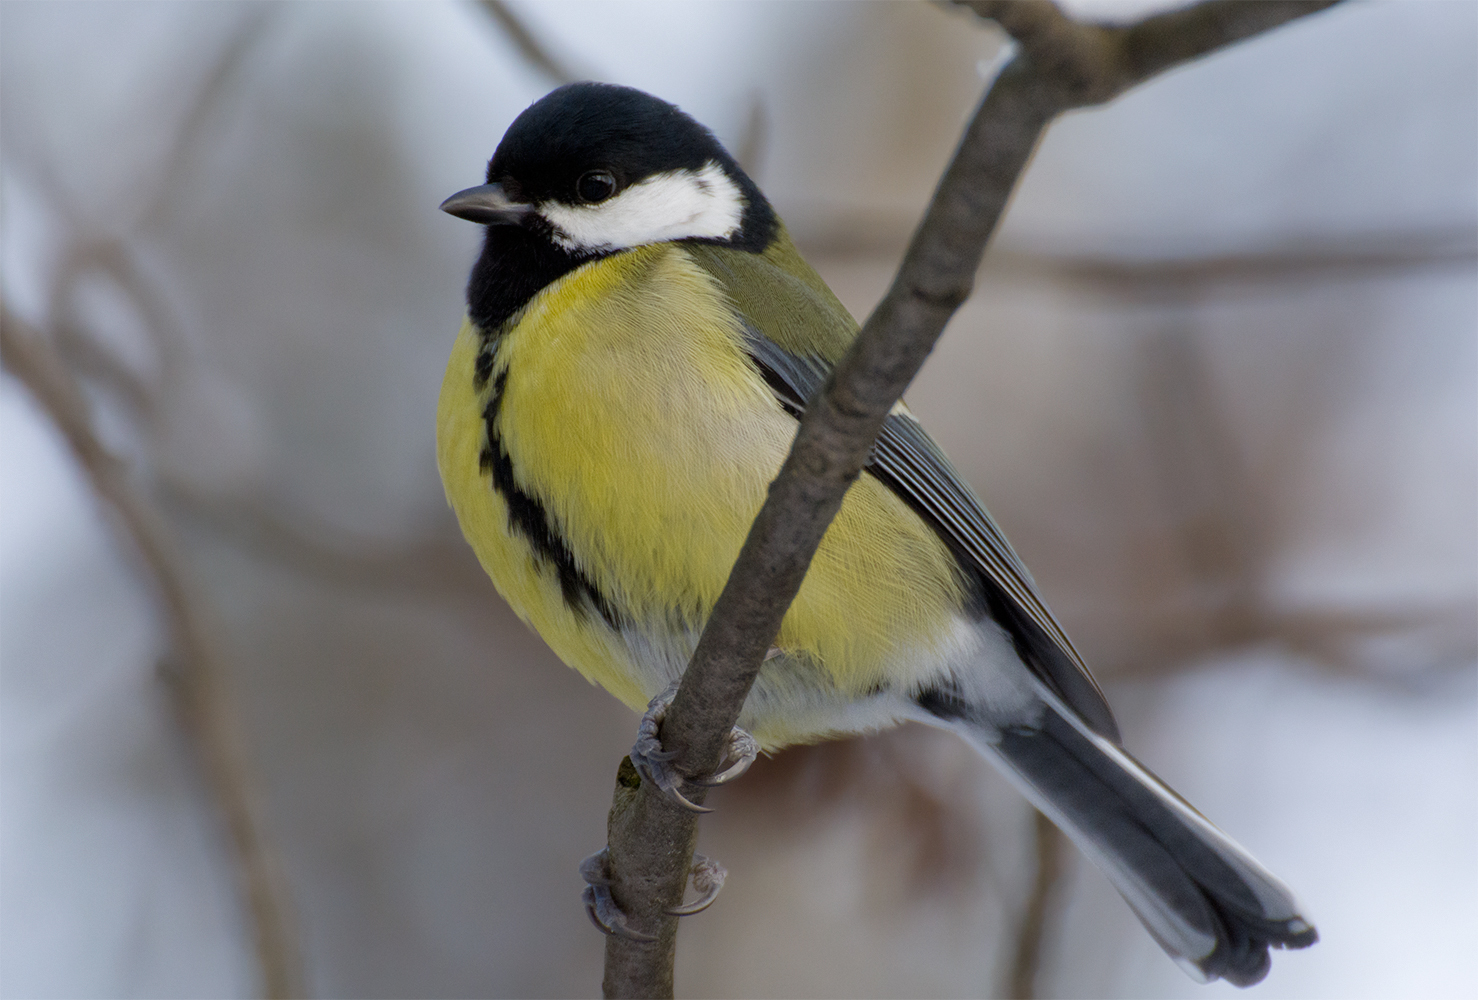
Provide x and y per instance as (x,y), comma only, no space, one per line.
(908,461)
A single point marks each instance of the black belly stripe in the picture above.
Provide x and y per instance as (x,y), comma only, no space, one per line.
(483,367)
(528,517)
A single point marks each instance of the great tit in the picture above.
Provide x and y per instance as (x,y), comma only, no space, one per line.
(641,337)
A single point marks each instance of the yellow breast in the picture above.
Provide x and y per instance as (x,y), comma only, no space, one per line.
(631,414)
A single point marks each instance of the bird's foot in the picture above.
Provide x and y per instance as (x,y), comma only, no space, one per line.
(655,764)
(708,878)
(600,904)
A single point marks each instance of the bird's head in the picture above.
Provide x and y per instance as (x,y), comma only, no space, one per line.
(595,168)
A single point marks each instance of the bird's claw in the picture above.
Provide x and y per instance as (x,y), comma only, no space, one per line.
(708,879)
(743,749)
(652,762)
(600,904)
(655,764)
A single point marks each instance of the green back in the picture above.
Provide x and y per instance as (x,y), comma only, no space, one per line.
(782,296)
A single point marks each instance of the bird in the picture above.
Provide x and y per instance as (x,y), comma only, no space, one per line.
(640,340)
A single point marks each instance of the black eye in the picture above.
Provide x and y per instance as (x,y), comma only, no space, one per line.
(595,186)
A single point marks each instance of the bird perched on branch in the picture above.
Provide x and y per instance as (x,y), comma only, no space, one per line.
(640,341)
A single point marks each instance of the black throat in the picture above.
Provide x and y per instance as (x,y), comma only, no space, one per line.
(516,263)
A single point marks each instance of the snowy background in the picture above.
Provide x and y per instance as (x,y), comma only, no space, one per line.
(1218,383)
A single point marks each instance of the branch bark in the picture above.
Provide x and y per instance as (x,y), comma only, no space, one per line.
(193,662)
(1059,64)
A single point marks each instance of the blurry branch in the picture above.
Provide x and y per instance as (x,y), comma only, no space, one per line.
(223,82)
(1212,504)
(1181,278)
(219,84)
(112,259)
(325,552)
(752,141)
(1027,960)
(110,254)
(195,662)
(47,363)
(1210,500)
(320,550)
(528,46)
(193,665)
(317,549)
(1059,65)
(750,148)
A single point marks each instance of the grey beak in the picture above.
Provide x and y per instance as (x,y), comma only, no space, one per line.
(487,205)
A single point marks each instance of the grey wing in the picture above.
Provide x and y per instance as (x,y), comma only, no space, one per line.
(908,462)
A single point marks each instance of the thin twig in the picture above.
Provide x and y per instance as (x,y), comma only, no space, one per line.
(195,669)
(1059,65)
(527,44)
(438,563)
(199,683)
(1026,962)
(750,151)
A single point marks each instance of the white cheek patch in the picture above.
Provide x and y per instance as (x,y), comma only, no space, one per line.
(678,205)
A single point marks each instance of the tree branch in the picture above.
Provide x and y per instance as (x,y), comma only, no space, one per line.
(1060,64)
(528,46)
(1031,932)
(194,663)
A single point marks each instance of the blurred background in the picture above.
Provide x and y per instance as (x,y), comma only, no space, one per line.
(1218,383)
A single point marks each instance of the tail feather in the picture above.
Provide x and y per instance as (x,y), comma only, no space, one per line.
(1213,908)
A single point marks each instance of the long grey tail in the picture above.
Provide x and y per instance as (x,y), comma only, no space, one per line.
(1208,903)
